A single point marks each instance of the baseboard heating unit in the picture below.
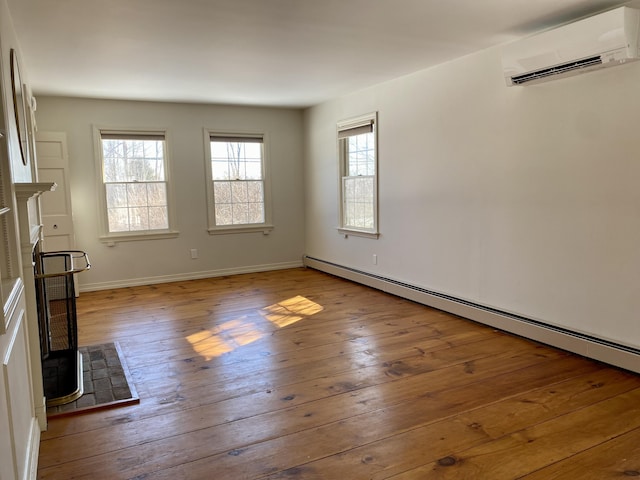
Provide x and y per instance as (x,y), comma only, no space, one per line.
(592,347)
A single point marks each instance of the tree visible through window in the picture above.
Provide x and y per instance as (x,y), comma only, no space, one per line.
(237,175)
(135,182)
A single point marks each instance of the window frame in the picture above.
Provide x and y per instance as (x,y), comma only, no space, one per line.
(111,237)
(265,227)
(360,122)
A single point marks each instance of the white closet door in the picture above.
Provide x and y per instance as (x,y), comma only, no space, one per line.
(57,215)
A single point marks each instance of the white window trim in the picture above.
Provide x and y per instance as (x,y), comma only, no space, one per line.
(111,238)
(354,122)
(266,227)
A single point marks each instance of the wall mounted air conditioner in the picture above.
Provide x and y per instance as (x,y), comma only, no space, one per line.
(604,40)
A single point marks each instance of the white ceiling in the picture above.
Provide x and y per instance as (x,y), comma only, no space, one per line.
(289,53)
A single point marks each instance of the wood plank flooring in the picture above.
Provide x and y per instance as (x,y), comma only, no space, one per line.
(300,375)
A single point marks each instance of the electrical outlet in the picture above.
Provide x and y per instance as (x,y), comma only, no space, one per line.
(375,259)
(194,253)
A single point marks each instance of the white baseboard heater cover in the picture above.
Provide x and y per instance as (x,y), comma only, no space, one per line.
(565,339)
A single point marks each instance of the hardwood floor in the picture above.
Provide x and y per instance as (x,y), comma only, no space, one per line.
(299,375)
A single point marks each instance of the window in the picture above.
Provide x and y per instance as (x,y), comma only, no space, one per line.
(357,145)
(135,185)
(237,184)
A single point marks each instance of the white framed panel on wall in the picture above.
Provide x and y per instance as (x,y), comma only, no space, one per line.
(15,368)
(7,447)
(10,282)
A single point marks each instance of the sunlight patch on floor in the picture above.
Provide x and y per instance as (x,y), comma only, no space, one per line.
(245,330)
(290,311)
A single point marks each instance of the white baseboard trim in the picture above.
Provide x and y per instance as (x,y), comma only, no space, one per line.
(598,349)
(41,413)
(33,451)
(134,282)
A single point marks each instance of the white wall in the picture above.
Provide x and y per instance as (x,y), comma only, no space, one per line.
(19,171)
(525,198)
(140,262)
(19,409)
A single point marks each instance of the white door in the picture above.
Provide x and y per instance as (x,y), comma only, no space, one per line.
(53,166)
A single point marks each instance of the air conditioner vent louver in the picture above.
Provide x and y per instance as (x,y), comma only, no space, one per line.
(557,70)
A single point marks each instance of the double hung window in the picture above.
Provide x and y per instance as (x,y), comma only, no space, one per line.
(357,145)
(135,184)
(237,186)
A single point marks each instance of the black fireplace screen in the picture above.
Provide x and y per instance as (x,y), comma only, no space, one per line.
(57,318)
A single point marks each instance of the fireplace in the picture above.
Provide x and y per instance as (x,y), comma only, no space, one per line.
(54,274)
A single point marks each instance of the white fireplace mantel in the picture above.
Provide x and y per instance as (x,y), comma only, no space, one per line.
(30,228)
(29,211)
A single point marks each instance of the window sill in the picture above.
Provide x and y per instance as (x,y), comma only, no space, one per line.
(136,236)
(264,229)
(358,233)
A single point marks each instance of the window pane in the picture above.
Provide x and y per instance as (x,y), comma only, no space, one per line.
(239,192)
(220,170)
(360,155)
(255,193)
(116,195)
(118,219)
(224,214)
(253,150)
(256,213)
(236,160)
(222,192)
(358,206)
(241,200)
(240,214)
(158,218)
(138,219)
(218,150)
(253,170)
(135,183)
(112,168)
(137,194)
(133,160)
(157,195)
